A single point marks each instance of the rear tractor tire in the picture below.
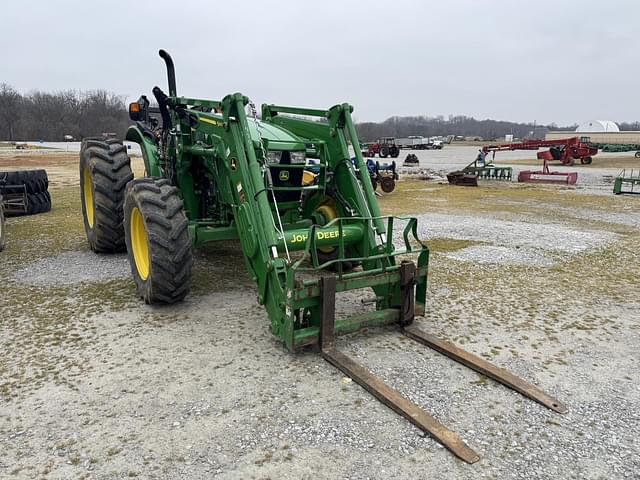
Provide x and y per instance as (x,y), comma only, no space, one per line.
(158,243)
(586,160)
(383,152)
(105,170)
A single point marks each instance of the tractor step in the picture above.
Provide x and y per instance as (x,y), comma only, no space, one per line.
(394,399)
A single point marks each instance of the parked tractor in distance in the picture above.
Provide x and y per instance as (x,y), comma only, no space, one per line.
(383,175)
(384,148)
(214,172)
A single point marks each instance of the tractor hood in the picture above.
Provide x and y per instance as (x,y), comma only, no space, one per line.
(274,137)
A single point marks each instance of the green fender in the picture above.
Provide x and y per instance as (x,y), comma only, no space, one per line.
(149,151)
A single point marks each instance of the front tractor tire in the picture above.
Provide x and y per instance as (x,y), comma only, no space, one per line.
(157,239)
(105,170)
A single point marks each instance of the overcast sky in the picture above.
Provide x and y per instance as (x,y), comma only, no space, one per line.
(550,61)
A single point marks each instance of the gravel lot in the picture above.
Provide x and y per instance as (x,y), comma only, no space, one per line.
(74,267)
(95,384)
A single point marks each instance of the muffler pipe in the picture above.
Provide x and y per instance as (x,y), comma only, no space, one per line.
(171,71)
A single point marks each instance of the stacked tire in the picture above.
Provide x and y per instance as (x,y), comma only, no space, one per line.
(34,183)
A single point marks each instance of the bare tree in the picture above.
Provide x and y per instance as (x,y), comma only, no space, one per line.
(435,126)
(10,111)
(51,116)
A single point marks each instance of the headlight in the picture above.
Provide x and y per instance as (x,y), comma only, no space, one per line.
(298,157)
(273,156)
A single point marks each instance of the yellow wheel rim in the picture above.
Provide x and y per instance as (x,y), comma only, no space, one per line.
(328,211)
(308,177)
(87,188)
(139,243)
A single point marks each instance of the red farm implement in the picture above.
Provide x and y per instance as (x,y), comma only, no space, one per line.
(547,176)
(565,150)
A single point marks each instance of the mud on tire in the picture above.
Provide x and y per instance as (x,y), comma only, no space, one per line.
(105,170)
(158,243)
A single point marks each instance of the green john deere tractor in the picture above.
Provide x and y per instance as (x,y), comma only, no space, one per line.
(214,171)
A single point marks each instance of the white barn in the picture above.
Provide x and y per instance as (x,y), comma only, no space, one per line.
(597,126)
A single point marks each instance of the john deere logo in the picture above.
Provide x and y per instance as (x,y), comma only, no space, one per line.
(284,175)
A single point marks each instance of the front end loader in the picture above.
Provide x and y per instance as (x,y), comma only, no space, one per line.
(216,171)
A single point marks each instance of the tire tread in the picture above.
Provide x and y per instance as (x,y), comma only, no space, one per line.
(170,247)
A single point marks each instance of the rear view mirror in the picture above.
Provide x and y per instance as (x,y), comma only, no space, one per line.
(139,111)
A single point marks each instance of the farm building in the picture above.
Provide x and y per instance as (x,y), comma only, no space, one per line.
(598,131)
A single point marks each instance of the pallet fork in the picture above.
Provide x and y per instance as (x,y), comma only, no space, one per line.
(394,399)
